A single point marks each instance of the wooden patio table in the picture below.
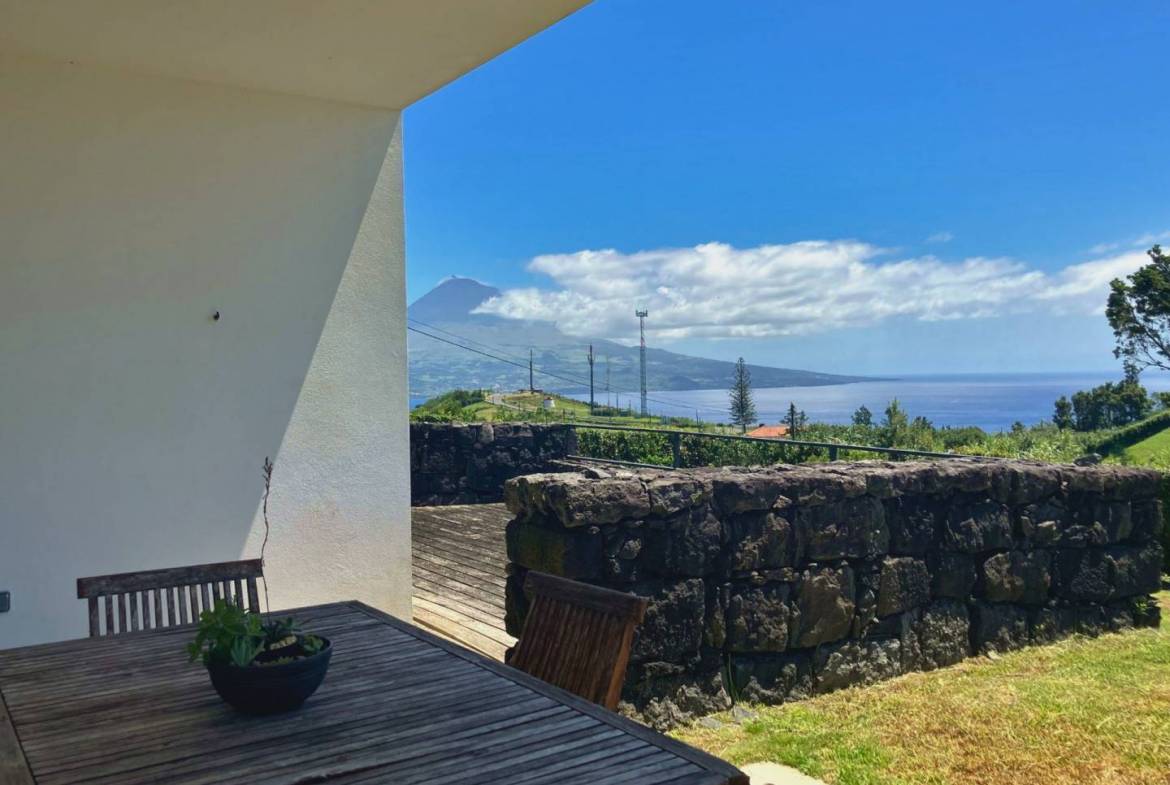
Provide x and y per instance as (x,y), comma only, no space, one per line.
(399,705)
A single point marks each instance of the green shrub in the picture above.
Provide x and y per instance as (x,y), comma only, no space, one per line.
(1120,438)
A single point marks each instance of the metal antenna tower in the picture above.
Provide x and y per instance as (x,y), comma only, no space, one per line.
(642,330)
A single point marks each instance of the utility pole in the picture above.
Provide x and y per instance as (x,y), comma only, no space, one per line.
(642,330)
(608,397)
(590,357)
(531,386)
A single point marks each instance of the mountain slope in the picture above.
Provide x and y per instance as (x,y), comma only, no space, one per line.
(446,312)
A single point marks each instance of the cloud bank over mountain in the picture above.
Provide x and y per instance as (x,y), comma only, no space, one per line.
(717,291)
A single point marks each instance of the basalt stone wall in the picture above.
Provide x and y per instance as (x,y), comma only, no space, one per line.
(458,463)
(782,582)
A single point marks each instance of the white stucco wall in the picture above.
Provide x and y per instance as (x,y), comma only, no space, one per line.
(133,426)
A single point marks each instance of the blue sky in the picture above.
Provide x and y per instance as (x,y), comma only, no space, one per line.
(847,186)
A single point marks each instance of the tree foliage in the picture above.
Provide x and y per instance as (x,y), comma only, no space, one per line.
(796,420)
(863,416)
(742,407)
(1110,405)
(1139,313)
(894,425)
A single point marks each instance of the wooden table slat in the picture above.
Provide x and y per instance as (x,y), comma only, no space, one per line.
(14,769)
(399,705)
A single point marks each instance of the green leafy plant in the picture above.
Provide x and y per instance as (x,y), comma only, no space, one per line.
(228,634)
(312,644)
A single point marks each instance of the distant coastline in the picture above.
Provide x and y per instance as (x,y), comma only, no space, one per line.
(992,401)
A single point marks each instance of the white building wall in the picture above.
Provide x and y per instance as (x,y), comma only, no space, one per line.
(132,425)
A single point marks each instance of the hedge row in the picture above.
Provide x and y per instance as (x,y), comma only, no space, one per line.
(1123,437)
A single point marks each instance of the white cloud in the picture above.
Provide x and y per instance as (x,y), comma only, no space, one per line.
(940,237)
(1102,248)
(718,291)
(1143,241)
(1151,238)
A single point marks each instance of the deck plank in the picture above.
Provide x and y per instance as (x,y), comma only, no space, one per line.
(459,563)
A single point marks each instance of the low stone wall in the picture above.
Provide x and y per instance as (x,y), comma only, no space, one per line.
(457,463)
(782,582)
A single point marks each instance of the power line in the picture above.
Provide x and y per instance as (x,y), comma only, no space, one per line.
(524,365)
(465,339)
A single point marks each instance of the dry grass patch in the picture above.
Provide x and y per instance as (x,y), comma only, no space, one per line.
(1079,711)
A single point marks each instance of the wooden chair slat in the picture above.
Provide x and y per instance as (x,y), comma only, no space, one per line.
(253,596)
(94,624)
(147,612)
(172,576)
(135,616)
(578,636)
(139,596)
(123,614)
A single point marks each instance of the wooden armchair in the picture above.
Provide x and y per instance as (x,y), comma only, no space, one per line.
(166,598)
(578,636)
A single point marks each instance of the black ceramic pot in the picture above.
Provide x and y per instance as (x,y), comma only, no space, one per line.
(267,689)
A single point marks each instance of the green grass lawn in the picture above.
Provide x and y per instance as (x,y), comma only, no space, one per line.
(572,409)
(1079,711)
(1154,451)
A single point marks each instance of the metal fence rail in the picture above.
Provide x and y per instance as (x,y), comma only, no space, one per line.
(675,437)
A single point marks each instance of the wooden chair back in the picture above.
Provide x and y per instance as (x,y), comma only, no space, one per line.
(151,599)
(578,636)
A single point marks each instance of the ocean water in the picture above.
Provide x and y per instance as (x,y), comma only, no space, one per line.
(990,401)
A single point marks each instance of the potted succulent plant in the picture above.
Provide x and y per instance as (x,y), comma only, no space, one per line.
(259,666)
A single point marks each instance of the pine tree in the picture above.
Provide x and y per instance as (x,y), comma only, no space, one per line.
(743,409)
(796,420)
(1062,417)
(863,416)
(895,424)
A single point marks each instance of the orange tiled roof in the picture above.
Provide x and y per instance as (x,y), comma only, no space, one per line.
(769,432)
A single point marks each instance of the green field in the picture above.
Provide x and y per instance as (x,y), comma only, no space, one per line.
(1152,451)
(1079,711)
(527,406)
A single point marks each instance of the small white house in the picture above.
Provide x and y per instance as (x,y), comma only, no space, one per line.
(202,265)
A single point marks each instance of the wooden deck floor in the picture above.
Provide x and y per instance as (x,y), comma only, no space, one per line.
(459,562)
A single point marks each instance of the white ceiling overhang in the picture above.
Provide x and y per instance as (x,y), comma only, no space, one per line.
(384,53)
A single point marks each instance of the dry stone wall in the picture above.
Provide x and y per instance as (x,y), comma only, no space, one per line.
(782,582)
(458,463)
